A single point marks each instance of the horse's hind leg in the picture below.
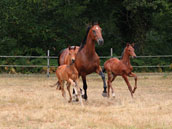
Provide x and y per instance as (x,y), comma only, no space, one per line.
(62,88)
(111,78)
(135,78)
(100,72)
(79,91)
(68,88)
(128,84)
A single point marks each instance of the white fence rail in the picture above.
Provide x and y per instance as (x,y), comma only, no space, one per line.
(48,57)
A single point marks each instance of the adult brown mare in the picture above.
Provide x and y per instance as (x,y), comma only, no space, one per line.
(87,60)
(115,67)
(69,74)
(64,55)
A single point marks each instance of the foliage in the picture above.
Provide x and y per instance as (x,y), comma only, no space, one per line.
(31,27)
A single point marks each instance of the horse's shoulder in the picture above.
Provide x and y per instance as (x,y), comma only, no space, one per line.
(62,66)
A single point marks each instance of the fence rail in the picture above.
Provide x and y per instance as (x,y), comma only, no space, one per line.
(48,57)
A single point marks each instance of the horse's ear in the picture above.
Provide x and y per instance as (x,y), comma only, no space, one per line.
(132,44)
(74,47)
(127,44)
(89,25)
(69,47)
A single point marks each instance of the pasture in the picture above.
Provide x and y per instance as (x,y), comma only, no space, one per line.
(27,102)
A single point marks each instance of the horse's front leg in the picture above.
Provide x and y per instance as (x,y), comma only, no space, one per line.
(79,91)
(135,78)
(128,84)
(100,72)
(84,87)
(68,88)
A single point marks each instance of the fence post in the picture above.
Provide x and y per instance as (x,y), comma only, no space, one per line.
(48,63)
(111,52)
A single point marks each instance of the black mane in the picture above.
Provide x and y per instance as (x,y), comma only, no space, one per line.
(85,39)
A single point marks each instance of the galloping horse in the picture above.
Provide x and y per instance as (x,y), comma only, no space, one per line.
(87,60)
(115,67)
(64,55)
(69,74)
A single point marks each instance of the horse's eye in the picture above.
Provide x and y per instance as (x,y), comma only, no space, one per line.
(94,32)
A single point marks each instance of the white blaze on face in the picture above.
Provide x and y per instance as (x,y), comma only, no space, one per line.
(97,28)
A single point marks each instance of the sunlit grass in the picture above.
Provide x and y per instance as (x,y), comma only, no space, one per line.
(28,102)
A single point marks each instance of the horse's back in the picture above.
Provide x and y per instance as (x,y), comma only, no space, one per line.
(112,64)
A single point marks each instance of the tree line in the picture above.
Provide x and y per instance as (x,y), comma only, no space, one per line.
(31,27)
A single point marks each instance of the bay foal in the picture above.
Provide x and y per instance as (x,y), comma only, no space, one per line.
(115,67)
(69,74)
(64,55)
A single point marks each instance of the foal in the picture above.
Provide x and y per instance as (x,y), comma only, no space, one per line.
(69,74)
(64,55)
(115,67)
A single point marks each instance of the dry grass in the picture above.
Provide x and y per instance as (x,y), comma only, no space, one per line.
(29,103)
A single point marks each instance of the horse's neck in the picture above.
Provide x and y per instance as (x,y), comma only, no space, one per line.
(126,59)
(67,61)
(90,46)
(72,66)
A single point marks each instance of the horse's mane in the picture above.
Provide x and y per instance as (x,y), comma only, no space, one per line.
(85,39)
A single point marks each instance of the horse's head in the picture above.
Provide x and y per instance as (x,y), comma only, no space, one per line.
(130,50)
(72,53)
(96,34)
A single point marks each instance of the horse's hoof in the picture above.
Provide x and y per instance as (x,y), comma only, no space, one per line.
(77,99)
(133,91)
(84,97)
(104,94)
(113,95)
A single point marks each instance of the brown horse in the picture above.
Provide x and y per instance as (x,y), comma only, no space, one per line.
(64,55)
(115,67)
(87,60)
(69,74)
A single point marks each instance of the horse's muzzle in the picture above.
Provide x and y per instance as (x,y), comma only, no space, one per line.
(134,57)
(100,41)
(73,60)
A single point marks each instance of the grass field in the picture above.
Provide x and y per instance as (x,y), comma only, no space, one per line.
(27,102)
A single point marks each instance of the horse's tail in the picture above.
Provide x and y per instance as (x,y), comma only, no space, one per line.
(56,84)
